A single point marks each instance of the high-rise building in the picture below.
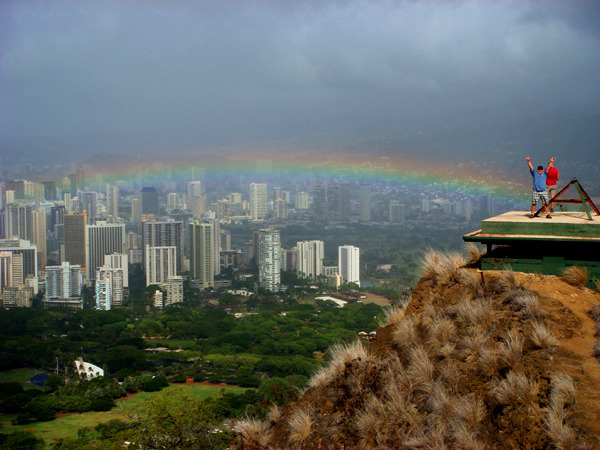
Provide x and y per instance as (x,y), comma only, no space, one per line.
(197,205)
(88,201)
(223,211)
(338,202)
(74,236)
(17,297)
(280,208)
(396,211)
(349,264)
(160,264)
(18,220)
(290,260)
(269,259)
(6,270)
(194,189)
(102,239)
(149,198)
(63,283)
(365,203)
(173,202)
(136,210)
(319,204)
(258,201)
(38,236)
(301,200)
(173,287)
(109,287)
(25,264)
(310,259)
(119,261)
(202,253)
(50,192)
(112,200)
(164,233)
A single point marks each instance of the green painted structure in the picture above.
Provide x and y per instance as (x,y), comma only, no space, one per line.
(540,245)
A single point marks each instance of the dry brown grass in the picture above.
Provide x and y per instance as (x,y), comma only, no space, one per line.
(441,267)
(421,369)
(392,315)
(450,374)
(474,253)
(596,284)
(562,391)
(253,434)
(575,276)
(340,355)
(516,390)
(541,337)
(530,305)
(274,414)
(470,411)
(300,423)
(472,282)
(441,333)
(405,334)
(488,362)
(511,348)
(560,433)
(476,314)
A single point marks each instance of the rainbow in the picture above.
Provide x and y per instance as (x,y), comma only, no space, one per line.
(357,168)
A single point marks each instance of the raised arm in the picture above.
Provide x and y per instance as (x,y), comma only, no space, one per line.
(528,159)
(551,162)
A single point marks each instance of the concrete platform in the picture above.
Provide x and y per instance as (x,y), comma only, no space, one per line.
(516,225)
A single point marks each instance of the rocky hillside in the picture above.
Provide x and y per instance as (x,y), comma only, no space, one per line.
(476,360)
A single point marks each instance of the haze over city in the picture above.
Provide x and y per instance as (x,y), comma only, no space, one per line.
(469,81)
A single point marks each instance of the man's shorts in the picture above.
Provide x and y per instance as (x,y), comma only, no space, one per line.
(551,191)
(542,196)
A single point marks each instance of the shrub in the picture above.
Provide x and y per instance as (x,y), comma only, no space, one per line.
(575,276)
(155,384)
(474,253)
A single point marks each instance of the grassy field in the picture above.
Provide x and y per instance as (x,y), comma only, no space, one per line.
(67,426)
(20,375)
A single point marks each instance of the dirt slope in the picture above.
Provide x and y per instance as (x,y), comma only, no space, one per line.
(477,360)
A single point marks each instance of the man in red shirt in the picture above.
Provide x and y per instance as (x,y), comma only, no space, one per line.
(551,178)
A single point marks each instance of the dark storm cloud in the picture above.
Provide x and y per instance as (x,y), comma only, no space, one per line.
(198,74)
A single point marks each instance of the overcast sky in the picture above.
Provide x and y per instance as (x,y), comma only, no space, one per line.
(137,75)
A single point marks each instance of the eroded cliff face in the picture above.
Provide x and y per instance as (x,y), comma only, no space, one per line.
(476,360)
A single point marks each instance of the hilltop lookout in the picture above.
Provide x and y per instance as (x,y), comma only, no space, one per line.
(540,245)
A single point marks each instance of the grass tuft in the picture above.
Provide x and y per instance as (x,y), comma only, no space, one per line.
(300,423)
(253,433)
(575,276)
(511,348)
(516,390)
(541,337)
(560,433)
(474,253)
(562,391)
(530,305)
(340,355)
(392,315)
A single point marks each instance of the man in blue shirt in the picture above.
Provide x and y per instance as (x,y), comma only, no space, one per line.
(539,187)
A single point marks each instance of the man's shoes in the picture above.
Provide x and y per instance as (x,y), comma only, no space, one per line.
(548,216)
(531,216)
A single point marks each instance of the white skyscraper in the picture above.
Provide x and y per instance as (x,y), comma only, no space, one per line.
(63,282)
(349,264)
(119,261)
(160,264)
(100,240)
(173,287)
(269,259)
(310,259)
(258,201)
(109,287)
